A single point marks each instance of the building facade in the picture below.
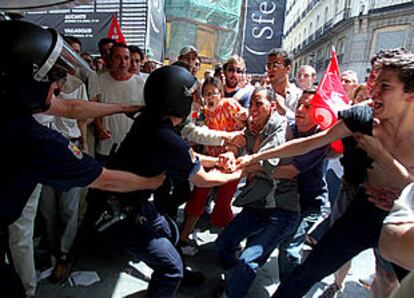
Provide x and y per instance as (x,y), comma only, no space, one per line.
(356,28)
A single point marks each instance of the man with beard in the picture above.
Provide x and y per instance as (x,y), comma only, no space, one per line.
(234,69)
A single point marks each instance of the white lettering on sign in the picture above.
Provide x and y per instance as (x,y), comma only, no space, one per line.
(78,30)
(262,29)
(75,17)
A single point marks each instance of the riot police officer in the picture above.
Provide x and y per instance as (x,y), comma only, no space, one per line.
(152,147)
(34,63)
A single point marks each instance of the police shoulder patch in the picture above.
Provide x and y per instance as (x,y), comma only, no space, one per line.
(75,150)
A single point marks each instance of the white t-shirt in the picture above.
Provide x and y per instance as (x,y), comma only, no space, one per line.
(44,119)
(110,90)
(291,99)
(144,76)
(69,127)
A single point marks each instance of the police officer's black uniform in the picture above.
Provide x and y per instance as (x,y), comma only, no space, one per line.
(29,152)
(150,148)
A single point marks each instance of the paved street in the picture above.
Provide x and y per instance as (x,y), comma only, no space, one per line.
(120,279)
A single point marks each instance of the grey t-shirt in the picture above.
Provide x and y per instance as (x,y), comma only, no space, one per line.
(263,191)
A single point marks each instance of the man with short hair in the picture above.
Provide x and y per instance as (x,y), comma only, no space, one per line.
(298,183)
(88,59)
(306,77)
(388,123)
(104,45)
(98,62)
(349,80)
(117,84)
(189,54)
(278,66)
(271,208)
(137,56)
(313,191)
(234,69)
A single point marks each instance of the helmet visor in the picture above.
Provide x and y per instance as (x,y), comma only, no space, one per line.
(64,64)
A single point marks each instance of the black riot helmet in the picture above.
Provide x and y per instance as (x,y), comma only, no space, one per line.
(31,59)
(169,91)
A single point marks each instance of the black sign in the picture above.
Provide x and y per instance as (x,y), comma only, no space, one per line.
(88,27)
(263,31)
(156,24)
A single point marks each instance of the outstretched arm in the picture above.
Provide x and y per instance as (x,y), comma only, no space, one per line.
(213,177)
(299,146)
(121,181)
(80,109)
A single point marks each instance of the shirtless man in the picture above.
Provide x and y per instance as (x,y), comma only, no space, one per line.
(359,228)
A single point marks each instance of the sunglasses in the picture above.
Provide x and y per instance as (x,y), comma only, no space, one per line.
(235,69)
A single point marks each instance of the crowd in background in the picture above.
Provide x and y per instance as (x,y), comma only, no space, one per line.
(283,198)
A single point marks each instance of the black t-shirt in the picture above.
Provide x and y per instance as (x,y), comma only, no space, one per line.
(355,161)
(153,147)
(30,154)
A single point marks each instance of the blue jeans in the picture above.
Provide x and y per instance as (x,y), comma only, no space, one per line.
(334,185)
(153,243)
(358,229)
(290,250)
(264,230)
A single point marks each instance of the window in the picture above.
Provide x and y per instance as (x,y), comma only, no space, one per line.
(326,16)
(327,56)
(340,49)
(311,30)
(390,37)
(206,41)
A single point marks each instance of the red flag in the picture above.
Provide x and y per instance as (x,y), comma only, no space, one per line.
(115,31)
(330,98)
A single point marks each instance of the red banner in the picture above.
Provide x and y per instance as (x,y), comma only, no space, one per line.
(330,98)
(115,31)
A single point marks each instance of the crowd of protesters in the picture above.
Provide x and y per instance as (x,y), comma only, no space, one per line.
(293,181)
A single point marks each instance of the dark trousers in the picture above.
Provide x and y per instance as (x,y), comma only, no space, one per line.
(358,229)
(171,195)
(151,241)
